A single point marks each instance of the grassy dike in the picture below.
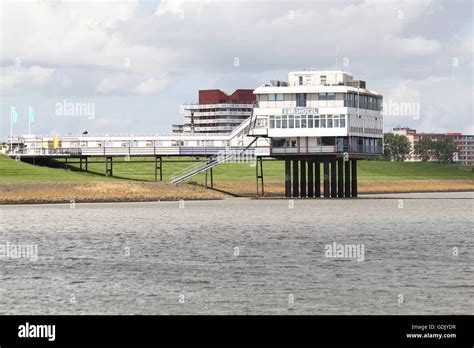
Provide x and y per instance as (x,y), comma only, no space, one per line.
(134,181)
(25,183)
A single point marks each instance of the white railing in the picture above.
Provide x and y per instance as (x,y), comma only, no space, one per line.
(218,120)
(215,106)
(219,113)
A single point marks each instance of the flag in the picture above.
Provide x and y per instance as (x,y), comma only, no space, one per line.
(31,113)
(13,114)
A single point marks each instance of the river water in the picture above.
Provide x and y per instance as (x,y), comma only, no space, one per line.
(241,256)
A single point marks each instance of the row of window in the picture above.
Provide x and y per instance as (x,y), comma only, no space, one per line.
(362,101)
(221,109)
(307,121)
(353,100)
(366,130)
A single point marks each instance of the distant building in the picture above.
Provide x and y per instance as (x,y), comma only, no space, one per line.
(217,112)
(465,144)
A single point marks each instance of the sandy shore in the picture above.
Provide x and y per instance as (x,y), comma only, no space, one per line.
(127,191)
(100,191)
(278,189)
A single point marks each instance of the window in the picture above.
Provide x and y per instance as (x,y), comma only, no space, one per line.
(300,99)
(310,121)
(300,80)
(275,97)
(323,79)
(323,121)
(322,96)
(297,121)
(342,121)
(329,121)
(303,121)
(272,121)
(331,96)
(284,121)
(336,121)
(291,121)
(316,121)
(278,122)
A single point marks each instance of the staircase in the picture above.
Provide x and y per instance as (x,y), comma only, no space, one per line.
(210,163)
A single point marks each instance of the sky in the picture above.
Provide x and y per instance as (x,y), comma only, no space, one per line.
(131,64)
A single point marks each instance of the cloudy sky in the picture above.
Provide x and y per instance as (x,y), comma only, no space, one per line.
(135,62)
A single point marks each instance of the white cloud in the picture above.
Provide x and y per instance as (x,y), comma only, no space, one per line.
(131,83)
(121,47)
(18,78)
(418,46)
(150,86)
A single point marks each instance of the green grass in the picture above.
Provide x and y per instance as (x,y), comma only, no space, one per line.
(367,171)
(405,171)
(12,171)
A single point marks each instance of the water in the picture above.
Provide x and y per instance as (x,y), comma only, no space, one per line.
(158,258)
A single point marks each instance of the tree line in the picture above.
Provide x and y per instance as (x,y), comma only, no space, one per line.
(397,148)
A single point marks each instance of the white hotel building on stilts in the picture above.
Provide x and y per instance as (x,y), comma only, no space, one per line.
(320,111)
(316,118)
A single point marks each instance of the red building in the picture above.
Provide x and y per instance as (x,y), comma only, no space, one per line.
(217,111)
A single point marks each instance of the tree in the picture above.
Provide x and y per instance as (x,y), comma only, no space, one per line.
(444,150)
(387,140)
(396,147)
(423,148)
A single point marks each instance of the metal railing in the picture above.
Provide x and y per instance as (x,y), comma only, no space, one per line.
(126,151)
(375,150)
(211,162)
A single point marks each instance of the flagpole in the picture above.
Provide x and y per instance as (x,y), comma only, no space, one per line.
(11,131)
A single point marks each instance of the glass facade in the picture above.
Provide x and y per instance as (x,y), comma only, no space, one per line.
(307,121)
(354,100)
(300,99)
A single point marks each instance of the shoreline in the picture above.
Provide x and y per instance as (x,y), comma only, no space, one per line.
(126,191)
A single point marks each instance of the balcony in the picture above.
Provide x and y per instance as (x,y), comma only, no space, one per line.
(194,106)
(218,120)
(214,128)
(220,113)
(327,149)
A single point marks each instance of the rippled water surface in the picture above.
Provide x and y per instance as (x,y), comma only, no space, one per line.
(242,257)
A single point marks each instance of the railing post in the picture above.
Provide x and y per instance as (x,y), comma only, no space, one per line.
(287,178)
(333,179)
(317,178)
(295,192)
(303,178)
(340,178)
(354,178)
(326,178)
(310,179)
